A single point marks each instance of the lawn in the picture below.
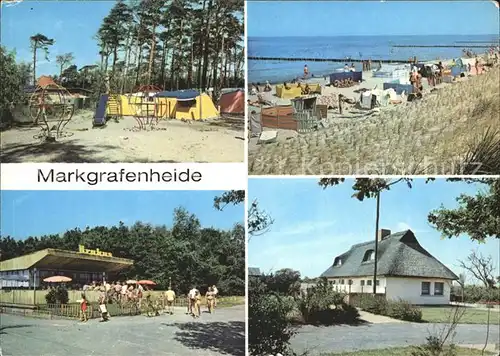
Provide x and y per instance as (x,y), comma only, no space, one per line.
(403,351)
(471,315)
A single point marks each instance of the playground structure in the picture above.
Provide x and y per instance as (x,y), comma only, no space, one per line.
(145,108)
(51,107)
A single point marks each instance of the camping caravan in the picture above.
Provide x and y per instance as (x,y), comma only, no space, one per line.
(232,102)
(186,105)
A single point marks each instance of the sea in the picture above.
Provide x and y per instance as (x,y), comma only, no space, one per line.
(355,47)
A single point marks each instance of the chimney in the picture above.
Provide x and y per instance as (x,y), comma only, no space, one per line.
(383,233)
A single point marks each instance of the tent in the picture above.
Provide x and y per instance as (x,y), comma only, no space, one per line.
(186,105)
(232,102)
(45,81)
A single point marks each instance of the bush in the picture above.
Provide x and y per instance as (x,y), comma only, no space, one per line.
(434,347)
(372,304)
(322,305)
(57,295)
(400,309)
(403,310)
(269,327)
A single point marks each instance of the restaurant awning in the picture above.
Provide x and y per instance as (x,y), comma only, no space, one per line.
(52,259)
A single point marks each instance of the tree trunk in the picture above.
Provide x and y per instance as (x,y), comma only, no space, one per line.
(206,47)
(376,245)
(190,68)
(127,60)
(151,54)
(163,62)
(34,64)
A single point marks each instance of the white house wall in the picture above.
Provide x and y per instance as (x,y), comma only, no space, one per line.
(410,289)
(356,286)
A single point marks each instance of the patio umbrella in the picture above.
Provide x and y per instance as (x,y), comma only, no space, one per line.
(146,282)
(57,279)
(131,281)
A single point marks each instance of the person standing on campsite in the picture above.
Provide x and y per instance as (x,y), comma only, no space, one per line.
(170,298)
(306,71)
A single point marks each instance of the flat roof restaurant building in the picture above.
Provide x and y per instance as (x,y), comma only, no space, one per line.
(83,267)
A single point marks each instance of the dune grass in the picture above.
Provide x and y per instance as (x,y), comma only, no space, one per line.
(439,134)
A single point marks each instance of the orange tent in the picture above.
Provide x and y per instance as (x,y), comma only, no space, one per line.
(45,81)
(232,102)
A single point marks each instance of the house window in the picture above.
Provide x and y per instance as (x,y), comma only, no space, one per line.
(337,262)
(369,256)
(438,288)
(350,282)
(333,282)
(378,283)
(426,288)
(342,281)
(362,282)
(369,282)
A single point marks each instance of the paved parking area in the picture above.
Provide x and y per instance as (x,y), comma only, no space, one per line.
(221,333)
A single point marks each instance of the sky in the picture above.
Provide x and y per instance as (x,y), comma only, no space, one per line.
(312,226)
(344,18)
(35,213)
(72,24)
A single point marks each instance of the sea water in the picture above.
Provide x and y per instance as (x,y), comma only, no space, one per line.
(355,47)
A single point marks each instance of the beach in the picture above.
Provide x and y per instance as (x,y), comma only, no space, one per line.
(171,141)
(428,136)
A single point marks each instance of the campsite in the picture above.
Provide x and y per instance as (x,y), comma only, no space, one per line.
(135,82)
(366,103)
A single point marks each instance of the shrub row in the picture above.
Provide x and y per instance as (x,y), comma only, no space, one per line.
(476,294)
(399,309)
(321,305)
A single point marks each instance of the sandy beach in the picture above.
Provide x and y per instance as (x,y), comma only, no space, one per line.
(427,136)
(171,141)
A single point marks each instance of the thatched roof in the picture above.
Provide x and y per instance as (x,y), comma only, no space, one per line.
(399,255)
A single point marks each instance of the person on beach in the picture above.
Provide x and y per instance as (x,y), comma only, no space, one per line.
(306,71)
(286,86)
(477,66)
(83,308)
(170,298)
(306,90)
(268,86)
(369,64)
(353,67)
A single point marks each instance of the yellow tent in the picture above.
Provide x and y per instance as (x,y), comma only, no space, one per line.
(181,105)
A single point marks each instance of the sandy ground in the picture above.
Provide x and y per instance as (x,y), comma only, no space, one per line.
(171,141)
(221,333)
(409,138)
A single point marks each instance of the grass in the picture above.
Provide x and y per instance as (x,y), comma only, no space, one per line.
(403,351)
(436,135)
(471,315)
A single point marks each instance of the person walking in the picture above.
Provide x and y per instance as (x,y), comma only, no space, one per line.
(170,298)
(192,300)
(215,292)
(102,306)
(83,308)
(209,296)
